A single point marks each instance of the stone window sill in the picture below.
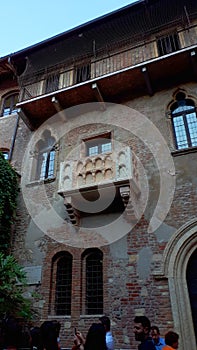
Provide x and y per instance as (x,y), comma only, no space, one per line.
(180,152)
(40,182)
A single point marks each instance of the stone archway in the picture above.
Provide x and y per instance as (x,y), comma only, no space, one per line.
(176,256)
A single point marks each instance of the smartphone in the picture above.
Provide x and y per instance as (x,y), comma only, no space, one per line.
(75,330)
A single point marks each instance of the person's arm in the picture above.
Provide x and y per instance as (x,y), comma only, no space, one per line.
(79,342)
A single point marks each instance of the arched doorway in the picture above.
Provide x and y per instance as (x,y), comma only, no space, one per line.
(178,251)
(191,276)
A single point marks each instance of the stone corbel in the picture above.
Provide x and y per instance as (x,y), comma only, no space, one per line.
(126,198)
(73,217)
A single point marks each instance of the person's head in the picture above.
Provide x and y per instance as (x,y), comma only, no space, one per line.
(48,332)
(141,328)
(172,339)
(96,338)
(106,322)
(155,334)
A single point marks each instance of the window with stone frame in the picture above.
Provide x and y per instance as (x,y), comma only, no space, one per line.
(98,145)
(46,151)
(61,278)
(184,122)
(9,104)
(92,283)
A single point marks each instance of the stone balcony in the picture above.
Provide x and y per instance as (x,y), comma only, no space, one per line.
(115,171)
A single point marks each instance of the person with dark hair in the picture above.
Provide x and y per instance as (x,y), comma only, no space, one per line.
(96,338)
(171,340)
(142,328)
(105,320)
(49,331)
(158,341)
(36,343)
(11,333)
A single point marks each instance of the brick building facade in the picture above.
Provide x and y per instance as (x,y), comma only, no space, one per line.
(100,124)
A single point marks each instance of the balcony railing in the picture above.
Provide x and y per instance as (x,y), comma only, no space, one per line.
(101,169)
(118,168)
(65,77)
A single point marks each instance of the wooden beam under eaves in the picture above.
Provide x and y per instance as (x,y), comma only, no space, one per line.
(99,96)
(147,81)
(26,120)
(193,56)
(59,109)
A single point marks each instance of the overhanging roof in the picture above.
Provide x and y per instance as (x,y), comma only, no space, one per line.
(132,22)
(163,72)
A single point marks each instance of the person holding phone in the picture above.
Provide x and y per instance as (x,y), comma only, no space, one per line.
(79,340)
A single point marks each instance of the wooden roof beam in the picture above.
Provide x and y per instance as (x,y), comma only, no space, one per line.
(98,95)
(147,81)
(194,62)
(59,108)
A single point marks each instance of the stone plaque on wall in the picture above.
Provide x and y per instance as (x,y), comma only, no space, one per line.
(33,274)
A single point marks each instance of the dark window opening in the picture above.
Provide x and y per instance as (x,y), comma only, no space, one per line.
(52,83)
(168,44)
(9,105)
(184,121)
(63,286)
(94,284)
(83,73)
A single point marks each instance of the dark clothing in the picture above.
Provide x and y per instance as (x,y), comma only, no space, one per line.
(147,345)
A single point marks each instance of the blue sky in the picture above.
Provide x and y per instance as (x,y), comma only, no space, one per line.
(26,22)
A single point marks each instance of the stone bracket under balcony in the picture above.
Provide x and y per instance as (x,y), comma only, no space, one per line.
(71,211)
(128,198)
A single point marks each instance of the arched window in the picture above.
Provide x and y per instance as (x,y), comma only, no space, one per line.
(93,286)
(45,157)
(192,287)
(60,303)
(9,104)
(184,121)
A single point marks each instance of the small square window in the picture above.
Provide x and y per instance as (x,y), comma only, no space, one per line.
(98,145)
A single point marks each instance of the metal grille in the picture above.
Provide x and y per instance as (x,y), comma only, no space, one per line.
(168,44)
(94,284)
(63,286)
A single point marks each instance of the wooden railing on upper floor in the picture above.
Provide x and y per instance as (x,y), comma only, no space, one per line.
(63,77)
